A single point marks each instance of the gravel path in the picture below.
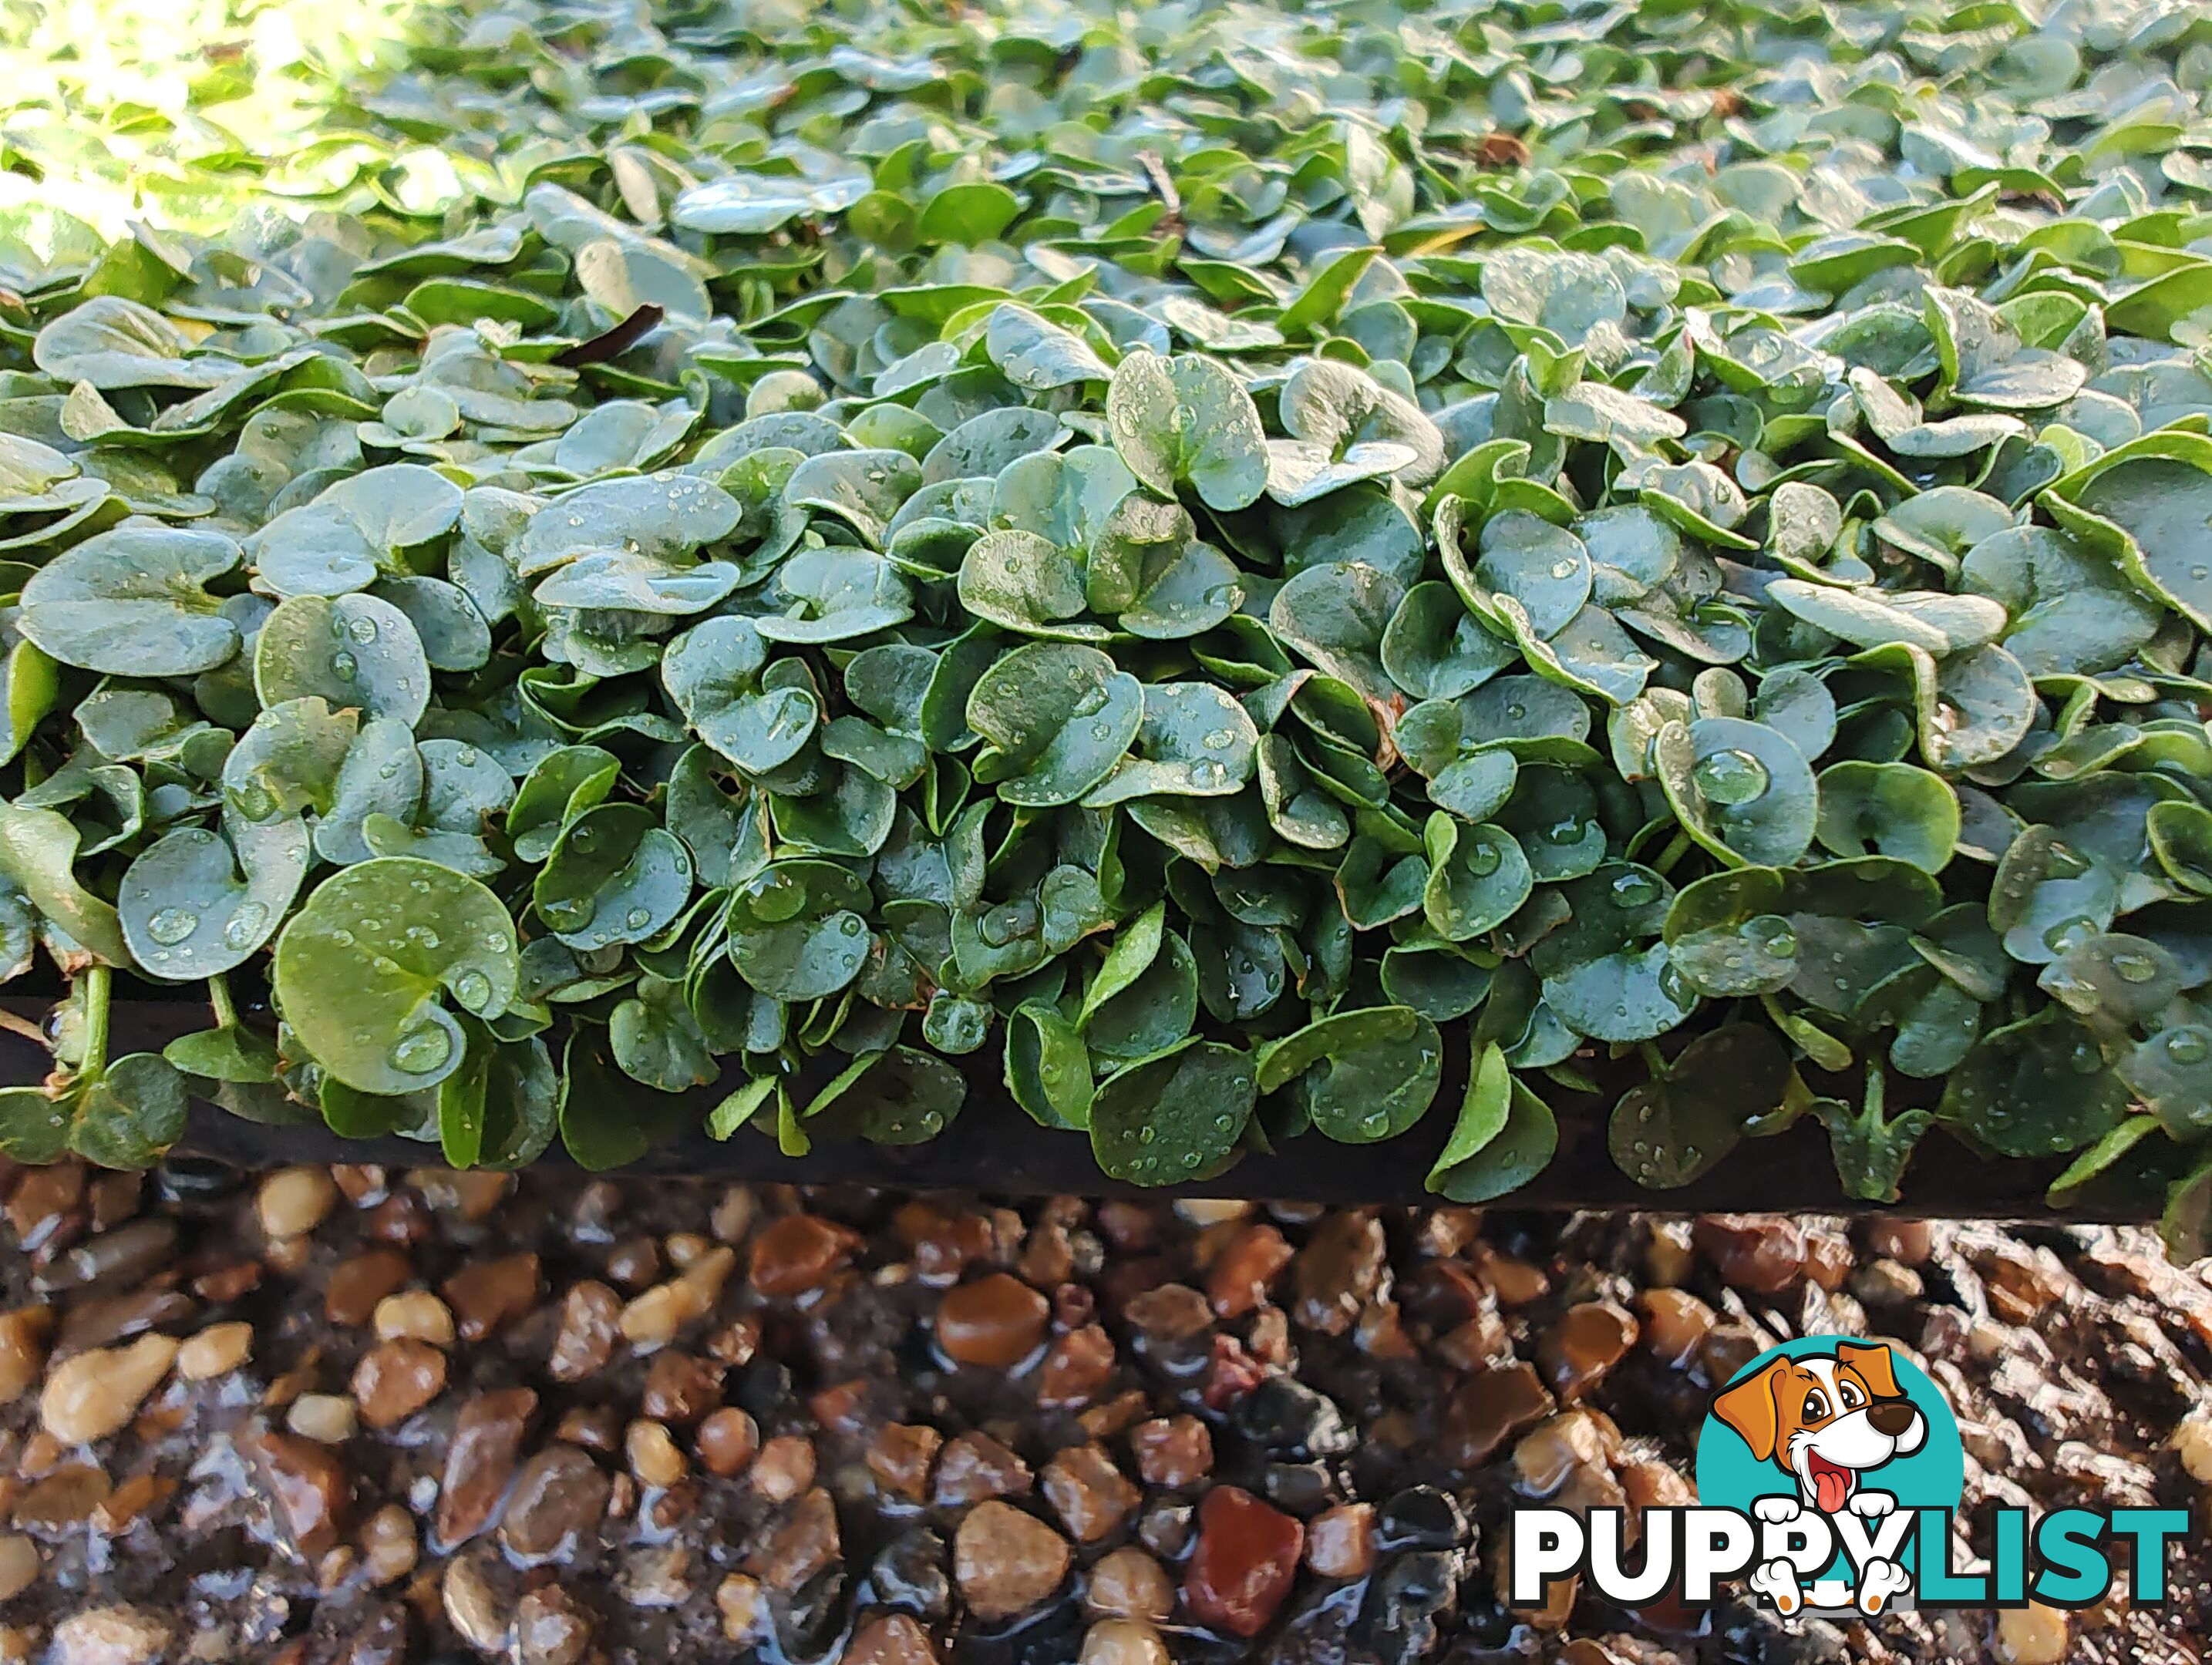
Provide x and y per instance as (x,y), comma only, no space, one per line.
(364,1417)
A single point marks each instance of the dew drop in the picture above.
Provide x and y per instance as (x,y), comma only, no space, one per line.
(343,665)
(1482,859)
(172,925)
(1773,936)
(2186,1046)
(1730,777)
(342,937)
(2086,1060)
(2068,934)
(421,1050)
(363,630)
(775,897)
(244,926)
(1206,774)
(852,925)
(2134,968)
(1633,890)
(1091,703)
(637,918)
(472,989)
(1219,740)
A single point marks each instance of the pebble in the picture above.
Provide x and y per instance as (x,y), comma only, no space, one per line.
(1488,1409)
(1077,1368)
(1674,1324)
(109,1636)
(1764,1254)
(996,1322)
(1128,1583)
(19,1564)
(2034,1635)
(215,1350)
(551,1627)
(799,1253)
(361,1281)
(1090,1494)
(480,1460)
(94,1394)
(727,1441)
(1246,1560)
(658,1316)
(414,1315)
(558,1500)
(1244,1273)
(2192,1442)
(293,1201)
(327,1419)
(742,1607)
(23,1350)
(62,1499)
(973,1466)
(679,1390)
(472,1606)
(1006,1560)
(307,1489)
(1338,1269)
(490,1295)
(900,1457)
(388,1547)
(784,1468)
(653,1456)
(803,1544)
(591,1320)
(1587,1340)
(112,1259)
(895,1639)
(1123,1641)
(1340,1540)
(395,1379)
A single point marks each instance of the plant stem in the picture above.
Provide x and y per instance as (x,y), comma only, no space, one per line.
(98,981)
(1677,847)
(1655,1061)
(225,1014)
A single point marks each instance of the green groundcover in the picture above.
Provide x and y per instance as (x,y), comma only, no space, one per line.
(1197,557)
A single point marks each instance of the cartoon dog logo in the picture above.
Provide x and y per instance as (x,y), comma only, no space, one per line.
(1827,1422)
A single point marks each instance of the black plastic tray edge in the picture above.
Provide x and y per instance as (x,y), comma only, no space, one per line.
(993,1146)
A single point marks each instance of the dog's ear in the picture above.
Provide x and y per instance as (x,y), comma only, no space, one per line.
(1874,1365)
(1748,1408)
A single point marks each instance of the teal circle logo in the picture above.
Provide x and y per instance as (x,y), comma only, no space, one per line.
(1829,1426)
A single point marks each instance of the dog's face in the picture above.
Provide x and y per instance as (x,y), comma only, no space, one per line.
(1825,1420)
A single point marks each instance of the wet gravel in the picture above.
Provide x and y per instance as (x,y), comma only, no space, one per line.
(367,1416)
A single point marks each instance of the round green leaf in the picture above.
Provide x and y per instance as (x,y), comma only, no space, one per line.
(1176,1118)
(132,603)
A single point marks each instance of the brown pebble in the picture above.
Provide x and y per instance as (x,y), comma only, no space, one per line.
(591,1319)
(1489,1408)
(1338,1269)
(63,1499)
(1172,1312)
(23,1334)
(743,1605)
(1242,1276)
(1090,1494)
(727,1441)
(109,1636)
(360,1281)
(94,1394)
(1246,1560)
(480,1460)
(1127,1584)
(558,1500)
(1172,1451)
(973,1466)
(996,1322)
(1764,1254)
(1007,1561)
(784,1468)
(896,1639)
(803,1543)
(308,1490)
(1077,1366)
(19,1564)
(679,1390)
(487,1295)
(1123,1641)
(1586,1342)
(551,1627)
(1676,1324)
(798,1253)
(1340,1542)
(899,1456)
(395,1379)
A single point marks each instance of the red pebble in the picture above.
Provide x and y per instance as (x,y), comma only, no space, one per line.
(1247,1555)
(1233,1374)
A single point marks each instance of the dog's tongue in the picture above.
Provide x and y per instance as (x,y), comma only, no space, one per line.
(1832,1485)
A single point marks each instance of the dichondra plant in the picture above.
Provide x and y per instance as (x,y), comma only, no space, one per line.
(1205,566)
